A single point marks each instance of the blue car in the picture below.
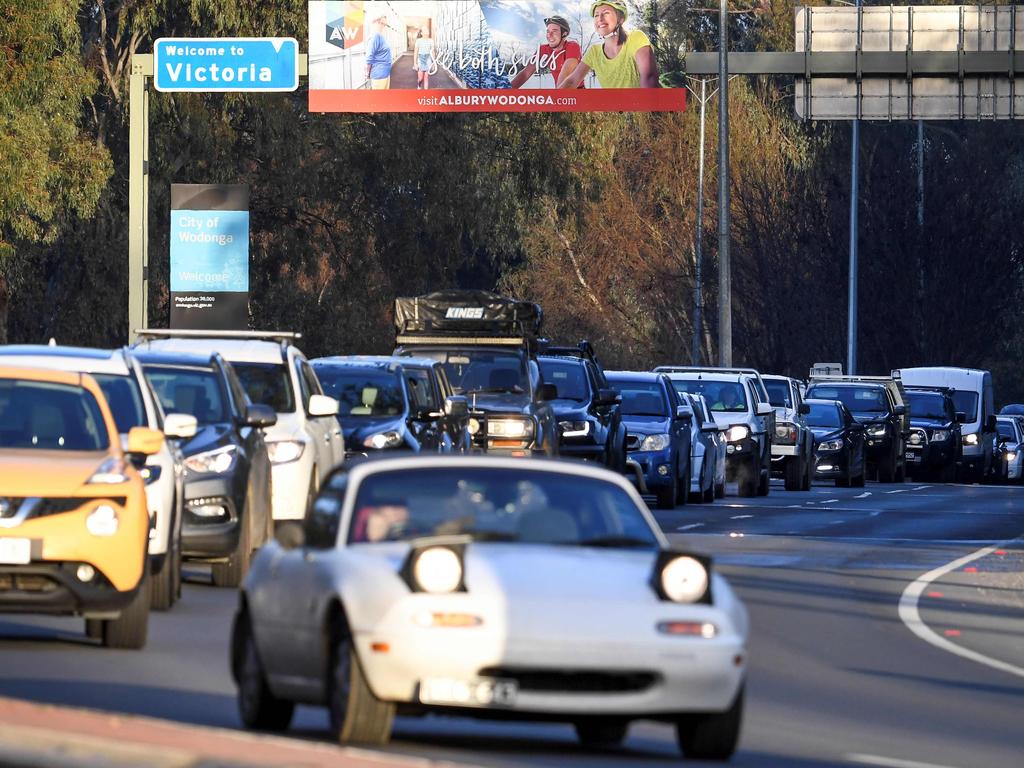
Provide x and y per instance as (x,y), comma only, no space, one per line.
(657,435)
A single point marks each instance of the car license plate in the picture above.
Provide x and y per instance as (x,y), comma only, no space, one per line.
(911,456)
(487,692)
(15,551)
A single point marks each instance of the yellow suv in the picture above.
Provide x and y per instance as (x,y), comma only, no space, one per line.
(74,526)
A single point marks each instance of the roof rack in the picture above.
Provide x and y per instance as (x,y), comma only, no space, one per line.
(170,333)
(703,369)
(853,379)
(583,350)
(923,388)
(421,339)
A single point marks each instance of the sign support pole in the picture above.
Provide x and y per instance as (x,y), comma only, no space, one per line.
(724,265)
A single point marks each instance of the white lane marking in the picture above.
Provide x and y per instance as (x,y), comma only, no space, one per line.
(899,490)
(741,517)
(690,526)
(830,501)
(795,506)
(863,495)
(891,762)
(922,488)
(910,615)
(837,522)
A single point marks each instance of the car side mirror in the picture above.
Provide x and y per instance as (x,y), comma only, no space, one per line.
(608,397)
(180,425)
(456,406)
(709,426)
(143,441)
(764,409)
(290,535)
(804,409)
(900,410)
(683,414)
(321,405)
(547,392)
(259,415)
(961,417)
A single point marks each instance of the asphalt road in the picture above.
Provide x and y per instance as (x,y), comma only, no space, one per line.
(841,674)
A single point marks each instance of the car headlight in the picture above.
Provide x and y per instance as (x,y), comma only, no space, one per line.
(785,433)
(940,435)
(1011,455)
(437,570)
(215,462)
(102,521)
(389,439)
(284,451)
(510,427)
(110,472)
(684,579)
(150,473)
(655,443)
(876,430)
(736,433)
(575,428)
(971,438)
(831,445)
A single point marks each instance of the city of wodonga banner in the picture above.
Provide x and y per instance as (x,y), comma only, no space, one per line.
(482,56)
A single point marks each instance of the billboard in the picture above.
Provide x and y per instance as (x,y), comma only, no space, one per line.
(481,56)
(210,256)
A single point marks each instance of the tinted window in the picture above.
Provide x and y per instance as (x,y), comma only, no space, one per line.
(778,393)
(38,415)
(373,392)
(824,415)
(124,399)
(322,521)
(570,379)
(518,504)
(857,399)
(928,406)
(482,370)
(721,396)
(267,384)
(641,398)
(1006,430)
(966,403)
(193,391)
(421,390)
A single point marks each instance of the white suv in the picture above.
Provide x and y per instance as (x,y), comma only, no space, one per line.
(133,404)
(306,443)
(740,405)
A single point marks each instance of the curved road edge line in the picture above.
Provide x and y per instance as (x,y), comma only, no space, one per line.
(911,616)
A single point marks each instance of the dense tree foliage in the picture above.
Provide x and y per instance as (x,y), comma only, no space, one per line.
(593,215)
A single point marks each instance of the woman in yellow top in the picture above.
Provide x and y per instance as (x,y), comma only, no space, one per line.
(623,60)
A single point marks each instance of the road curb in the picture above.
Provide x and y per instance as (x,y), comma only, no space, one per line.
(44,735)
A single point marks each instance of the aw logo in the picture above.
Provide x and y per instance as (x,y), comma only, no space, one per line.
(346,31)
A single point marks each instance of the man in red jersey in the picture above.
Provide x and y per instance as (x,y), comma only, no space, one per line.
(559,55)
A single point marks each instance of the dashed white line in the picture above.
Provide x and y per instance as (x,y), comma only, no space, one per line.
(863,495)
(910,615)
(891,762)
(830,501)
(922,488)
(899,490)
(690,526)
(741,517)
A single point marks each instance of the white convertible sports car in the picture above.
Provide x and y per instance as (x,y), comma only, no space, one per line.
(494,587)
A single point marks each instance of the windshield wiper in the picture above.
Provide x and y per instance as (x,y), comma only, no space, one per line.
(617,541)
(516,390)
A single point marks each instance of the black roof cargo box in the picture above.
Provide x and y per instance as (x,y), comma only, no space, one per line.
(467,312)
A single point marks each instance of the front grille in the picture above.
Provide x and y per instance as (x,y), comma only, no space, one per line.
(574,681)
(32,507)
(19,582)
(633,442)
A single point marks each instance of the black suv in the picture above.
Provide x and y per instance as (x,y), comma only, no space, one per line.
(488,346)
(388,403)
(227,469)
(586,407)
(878,403)
(934,446)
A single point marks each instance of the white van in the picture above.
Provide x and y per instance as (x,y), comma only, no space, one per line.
(973,398)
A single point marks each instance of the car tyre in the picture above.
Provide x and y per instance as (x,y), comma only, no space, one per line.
(808,473)
(231,573)
(795,474)
(258,707)
(601,732)
(667,496)
(165,590)
(748,478)
(357,716)
(131,628)
(712,735)
(764,479)
(682,489)
(719,490)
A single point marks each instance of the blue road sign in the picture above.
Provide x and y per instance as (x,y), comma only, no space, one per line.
(226,64)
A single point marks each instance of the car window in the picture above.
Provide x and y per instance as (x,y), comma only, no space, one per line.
(824,415)
(779,393)
(267,384)
(309,379)
(641,398)
(857,399)
(192,391)
(324,517)
(238,394)
(1007,430)
(45,416)
(966,402)
(722,396)
(483,370)
(363,391)
(421,390)
(514,505)
(569,378)
(124,399)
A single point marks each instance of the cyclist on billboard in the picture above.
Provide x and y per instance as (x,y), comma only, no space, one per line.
(623,60)
(559,55)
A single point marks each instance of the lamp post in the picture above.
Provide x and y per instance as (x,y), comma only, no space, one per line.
(724,266)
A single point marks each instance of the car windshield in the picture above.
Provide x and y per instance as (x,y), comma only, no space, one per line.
(267,384)
(823,415)
(43,416)
(925,405)
(1006,430)
(966,402)
(482,370)
(192,391)
(721,396)
(362,392)
(857,399)
(124,399)
(778,393)
(570,379)
(514,505)
(640,398)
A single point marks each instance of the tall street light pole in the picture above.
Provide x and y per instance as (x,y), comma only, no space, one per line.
(724,267)
(851,326)
(698,286)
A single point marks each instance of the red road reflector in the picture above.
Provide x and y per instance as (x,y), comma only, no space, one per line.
(1000,551)
(934,594)
(952,633)
(970,569)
